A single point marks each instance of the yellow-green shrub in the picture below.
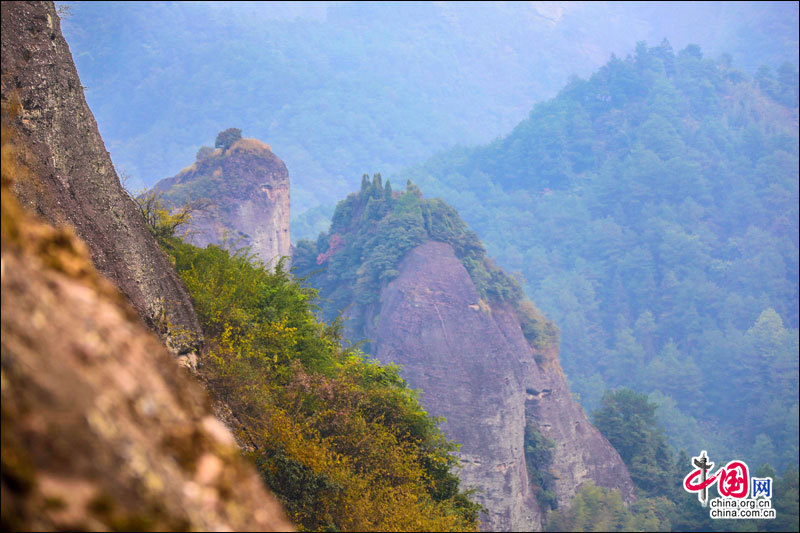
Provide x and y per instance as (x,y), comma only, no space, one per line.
(341,440)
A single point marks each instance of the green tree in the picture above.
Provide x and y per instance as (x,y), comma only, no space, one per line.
(204,152)
(628,420)
(226,138)
(688,514)
(161,221)
(387,192)
(340,439)
(785,502)
(599,509)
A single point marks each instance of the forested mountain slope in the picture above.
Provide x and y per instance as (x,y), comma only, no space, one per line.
(341,440)
(341,88)
(653,210)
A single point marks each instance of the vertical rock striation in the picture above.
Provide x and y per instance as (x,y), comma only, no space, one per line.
(477,370)
(75,182)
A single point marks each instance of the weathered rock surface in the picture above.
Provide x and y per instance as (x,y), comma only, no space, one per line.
(244,197)
(75,182)
(101,429)
(476,369)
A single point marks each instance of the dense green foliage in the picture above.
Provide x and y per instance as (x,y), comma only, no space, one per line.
(341,440)
(538,457)
(598,509)
(337,88)
(370,233)
(653,210)
(628,420)
(226,138)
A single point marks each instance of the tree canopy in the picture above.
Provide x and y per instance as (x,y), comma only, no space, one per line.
(370,233)
(340,439)
(653,211)
(226,138)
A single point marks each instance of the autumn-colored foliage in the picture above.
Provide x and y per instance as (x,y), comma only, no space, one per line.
(335,243)
(340,439)
(248,144)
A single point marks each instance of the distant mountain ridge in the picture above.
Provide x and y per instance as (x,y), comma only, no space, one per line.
(653,210)
(353,86)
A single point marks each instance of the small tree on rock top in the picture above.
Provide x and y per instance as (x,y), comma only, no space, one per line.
(225,139)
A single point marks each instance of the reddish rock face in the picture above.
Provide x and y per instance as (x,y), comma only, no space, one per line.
(476,369)
(101,429)
(75,181)
(244,198)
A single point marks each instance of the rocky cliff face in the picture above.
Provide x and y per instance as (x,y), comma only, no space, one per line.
(242,195)
(101,429)
(75,183)
(418,284)
(477,370)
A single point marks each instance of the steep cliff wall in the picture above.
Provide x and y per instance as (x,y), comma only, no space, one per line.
(418,284)
(101,430)
(477,370)
(242,195)
(75,182)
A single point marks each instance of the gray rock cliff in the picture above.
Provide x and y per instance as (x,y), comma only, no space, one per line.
(73,180)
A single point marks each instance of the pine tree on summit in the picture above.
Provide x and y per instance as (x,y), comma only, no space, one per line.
(226,138)
(387,192)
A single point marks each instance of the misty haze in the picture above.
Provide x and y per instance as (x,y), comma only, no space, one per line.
(422,265)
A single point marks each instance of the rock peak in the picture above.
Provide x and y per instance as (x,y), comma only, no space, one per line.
(241,189)
(420,286)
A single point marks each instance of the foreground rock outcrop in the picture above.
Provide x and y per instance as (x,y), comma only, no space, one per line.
(242,199)
(101,429)
(477,370)
(73,180)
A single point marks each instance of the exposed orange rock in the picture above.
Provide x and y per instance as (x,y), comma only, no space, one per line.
(101,429)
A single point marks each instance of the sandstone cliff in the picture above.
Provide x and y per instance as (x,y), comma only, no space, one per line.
(419,286)
(75,182)
(477,370)
(242,195)
(101,430)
